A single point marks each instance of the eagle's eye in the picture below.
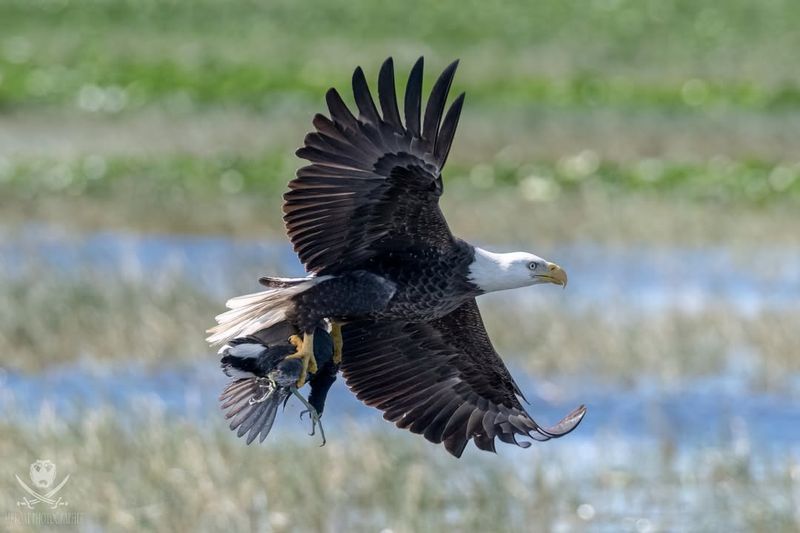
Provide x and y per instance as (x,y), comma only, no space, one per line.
(532,266)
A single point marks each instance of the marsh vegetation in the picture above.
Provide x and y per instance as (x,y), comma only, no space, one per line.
(649,147)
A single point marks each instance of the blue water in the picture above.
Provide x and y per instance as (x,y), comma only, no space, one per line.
(641,278)
(694,412)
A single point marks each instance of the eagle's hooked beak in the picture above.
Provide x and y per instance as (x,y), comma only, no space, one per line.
(555,274)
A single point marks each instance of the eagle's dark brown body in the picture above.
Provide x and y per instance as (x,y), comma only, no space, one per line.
(415,285)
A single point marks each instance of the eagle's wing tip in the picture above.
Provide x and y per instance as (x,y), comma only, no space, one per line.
(568,423)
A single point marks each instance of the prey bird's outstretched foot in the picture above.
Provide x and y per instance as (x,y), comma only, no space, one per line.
(305,352)
(338,342)
(312,414)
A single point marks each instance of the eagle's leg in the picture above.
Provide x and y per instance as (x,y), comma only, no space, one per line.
(305,352)
(338,343)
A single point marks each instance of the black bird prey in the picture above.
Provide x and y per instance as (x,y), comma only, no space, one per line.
(265,376)
(395,287)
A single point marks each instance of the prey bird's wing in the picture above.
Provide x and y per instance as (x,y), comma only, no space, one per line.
(374,180)
(442,379)
(251,406)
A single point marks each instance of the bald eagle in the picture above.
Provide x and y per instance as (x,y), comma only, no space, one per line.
(390,282)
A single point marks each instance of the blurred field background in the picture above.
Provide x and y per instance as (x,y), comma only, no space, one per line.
(650,147)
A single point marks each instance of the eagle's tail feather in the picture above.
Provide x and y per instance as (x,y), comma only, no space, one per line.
(250,313)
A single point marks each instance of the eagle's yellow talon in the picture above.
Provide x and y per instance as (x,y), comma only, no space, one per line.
(305,352)
(338,342)
(296,341)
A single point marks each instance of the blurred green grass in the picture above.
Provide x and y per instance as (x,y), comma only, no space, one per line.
(666,53)
(663,70)
(49,320)
(719,180)
(627,121)
(572,198)
(161,474)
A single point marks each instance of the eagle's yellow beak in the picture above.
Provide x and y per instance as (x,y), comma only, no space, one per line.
(555,274)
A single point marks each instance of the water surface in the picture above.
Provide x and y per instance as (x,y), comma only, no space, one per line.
(641,278)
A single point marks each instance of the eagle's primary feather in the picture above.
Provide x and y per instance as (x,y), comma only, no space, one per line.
(372,180)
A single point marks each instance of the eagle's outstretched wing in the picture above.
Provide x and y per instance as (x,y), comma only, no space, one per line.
(442,379)
(372,178)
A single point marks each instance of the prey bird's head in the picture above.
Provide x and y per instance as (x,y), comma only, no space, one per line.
(498,271)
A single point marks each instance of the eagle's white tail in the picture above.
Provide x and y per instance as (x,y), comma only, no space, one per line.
(250,313)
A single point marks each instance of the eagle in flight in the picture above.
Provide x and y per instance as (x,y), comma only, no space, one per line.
(388,283)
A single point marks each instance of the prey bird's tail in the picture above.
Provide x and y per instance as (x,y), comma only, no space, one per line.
(253,312)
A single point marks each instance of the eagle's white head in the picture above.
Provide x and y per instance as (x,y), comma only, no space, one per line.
(499,271)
